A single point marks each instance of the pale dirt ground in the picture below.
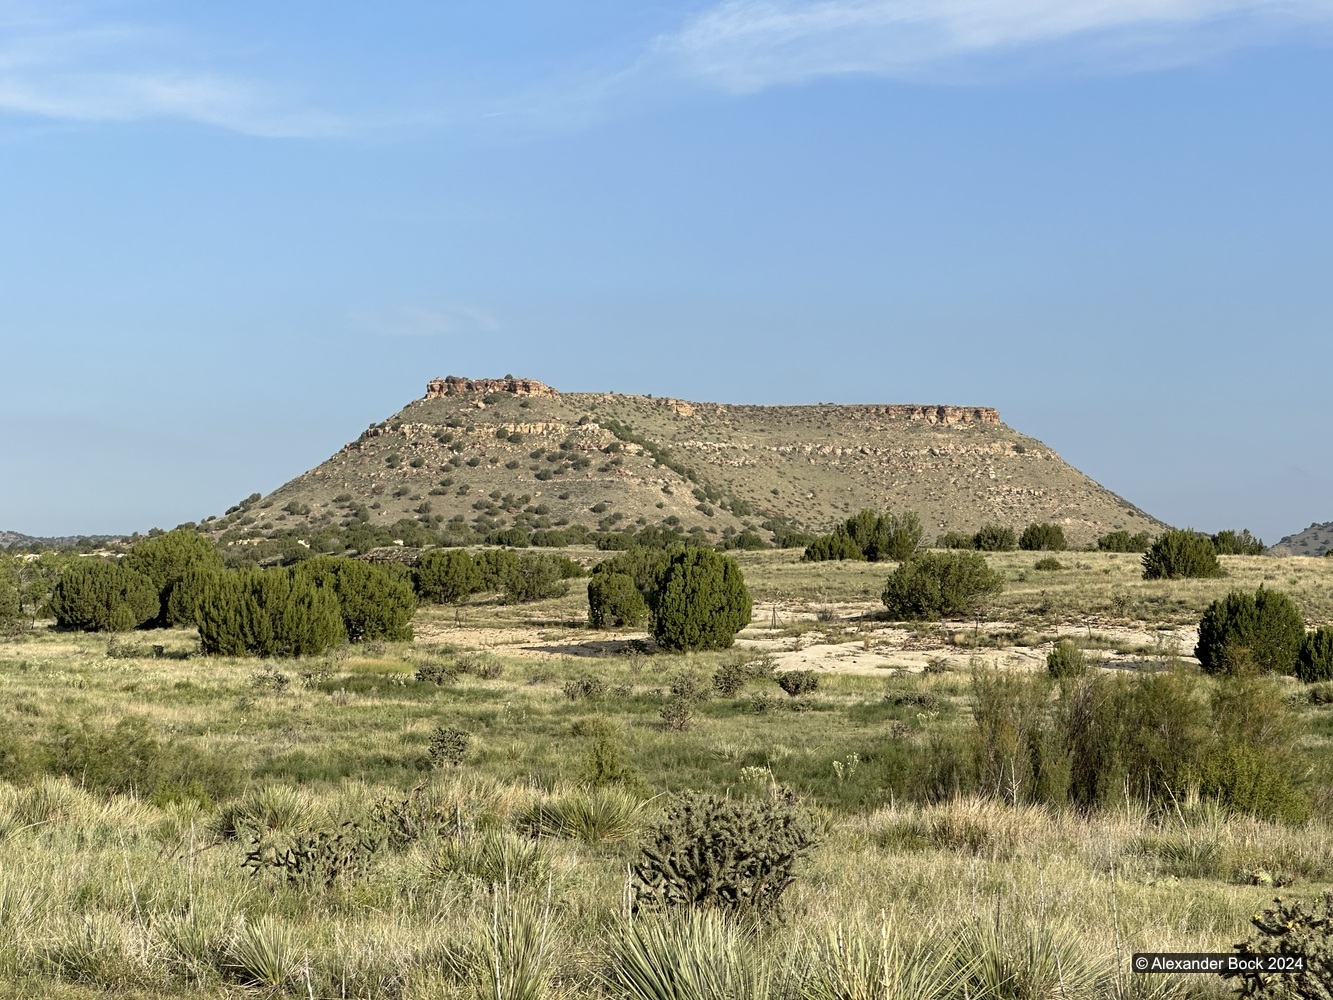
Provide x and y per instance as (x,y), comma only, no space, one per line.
(856,645)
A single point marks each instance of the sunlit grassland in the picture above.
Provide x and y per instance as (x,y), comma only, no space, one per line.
(1090,585)
(138,895)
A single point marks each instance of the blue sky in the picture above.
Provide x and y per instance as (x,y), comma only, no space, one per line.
(232,235)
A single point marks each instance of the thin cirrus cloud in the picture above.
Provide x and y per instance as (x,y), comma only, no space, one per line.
(744,46)
(68,62)
(58,64)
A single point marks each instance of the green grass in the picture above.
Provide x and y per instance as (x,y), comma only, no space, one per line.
(144,894)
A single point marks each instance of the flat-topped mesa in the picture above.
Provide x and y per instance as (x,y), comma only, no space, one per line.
(946,415)
(455,385)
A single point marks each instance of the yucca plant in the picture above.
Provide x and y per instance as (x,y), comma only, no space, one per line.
(1031,962)
(271,808)
(90,951)
(195,941)
(496,857)
(597,816)
(264,953)
(516,948)
(685,956)
(848,965)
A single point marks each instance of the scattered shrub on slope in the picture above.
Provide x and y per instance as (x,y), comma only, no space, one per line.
(936,584)
(1181,553)
(1264,629)
(1043,538)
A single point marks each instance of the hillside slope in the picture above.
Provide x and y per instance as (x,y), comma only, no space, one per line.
(1313,541)
(484,452)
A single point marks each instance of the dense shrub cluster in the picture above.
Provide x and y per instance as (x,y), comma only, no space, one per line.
(1043,538)
(989,538)
(166,559)
(1155,738)
(644,566)
(376,601)
(12,618)
(450,576)
(871,536)
(1123,541)
(614,602)
(1263,631)
(155,584)
(1181,553)
(995,538)
(276,612)
(696,598)
(938,584)
(954,540)
(95,595)
(536,577)
(1237,543)
(837,545)
(1315,662)
(446,576)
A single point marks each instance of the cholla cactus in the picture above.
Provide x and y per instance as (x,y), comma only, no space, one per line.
(735,855)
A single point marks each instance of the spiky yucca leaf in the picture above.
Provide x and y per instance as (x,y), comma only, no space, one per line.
(271,808)
(498,857)
(597,816)
(516,949)
(264,953)
(689,956)
(849,965)
(1030,962)
(91,950)
(195,941)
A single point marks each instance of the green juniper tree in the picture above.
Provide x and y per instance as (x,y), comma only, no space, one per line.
(1043,538)
(268,613)
(447,576)
(1266,625)
(99,596)
(702,602)
(166,559)
(936,584)
(614,601)
(1181,553)
(374,603)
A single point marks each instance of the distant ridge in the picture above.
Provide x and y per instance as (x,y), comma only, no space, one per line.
(1313,541)
(14,539)
(515,451)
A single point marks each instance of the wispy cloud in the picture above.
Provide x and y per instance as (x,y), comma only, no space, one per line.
(68,60)
(743,46)
(60,62)
(427,321)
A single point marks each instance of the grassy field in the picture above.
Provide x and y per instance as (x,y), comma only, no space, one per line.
(126,876)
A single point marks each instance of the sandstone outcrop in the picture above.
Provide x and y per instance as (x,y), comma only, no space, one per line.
(455,385)
(947,416)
